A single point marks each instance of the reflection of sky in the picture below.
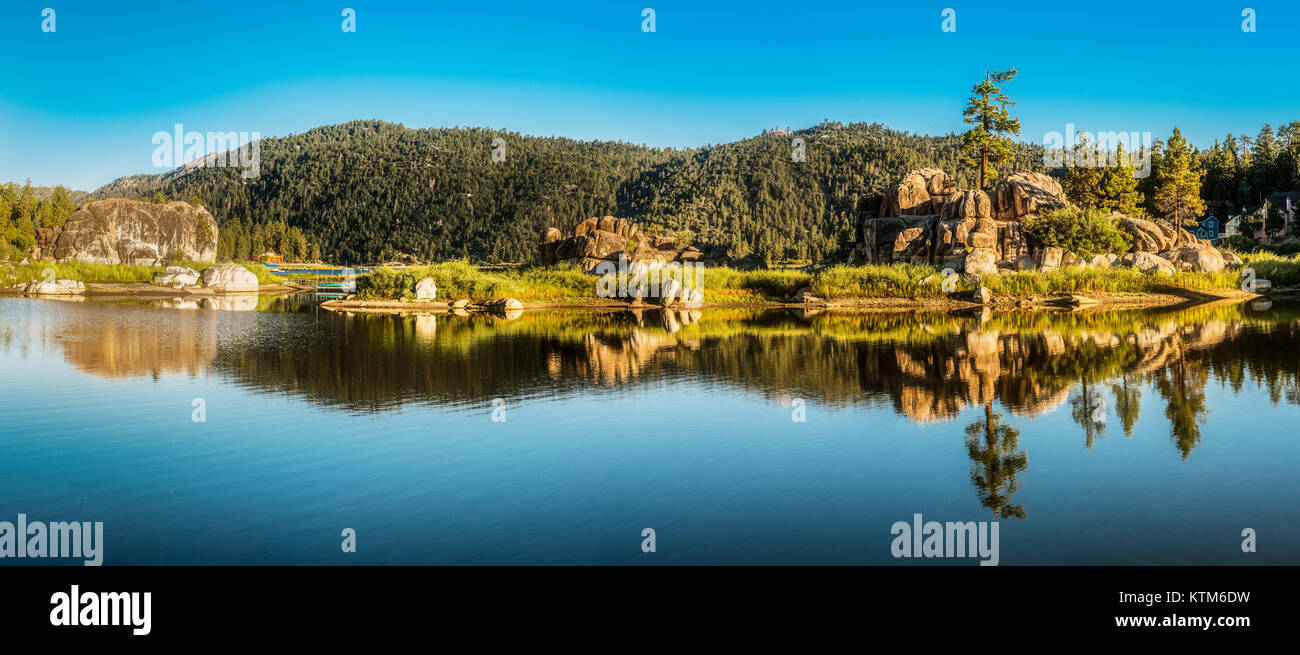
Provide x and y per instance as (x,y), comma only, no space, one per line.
(721,473)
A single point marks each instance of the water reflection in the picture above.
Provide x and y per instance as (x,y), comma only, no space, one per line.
(927,367)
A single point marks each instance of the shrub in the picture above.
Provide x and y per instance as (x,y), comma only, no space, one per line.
(1239,243)
(1084,232)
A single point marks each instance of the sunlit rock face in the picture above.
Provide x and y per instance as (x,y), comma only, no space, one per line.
(120,231)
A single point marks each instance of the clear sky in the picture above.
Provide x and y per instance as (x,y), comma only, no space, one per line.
(80,106)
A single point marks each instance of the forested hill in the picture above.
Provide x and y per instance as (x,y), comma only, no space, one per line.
(369,191)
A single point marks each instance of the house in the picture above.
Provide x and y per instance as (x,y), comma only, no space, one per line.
(1208,228)
(271,258)
(1232,226)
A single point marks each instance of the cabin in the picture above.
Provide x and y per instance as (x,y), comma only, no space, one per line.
(271,258)
(1208,228)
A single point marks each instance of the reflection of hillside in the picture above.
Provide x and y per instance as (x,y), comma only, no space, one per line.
(119,341)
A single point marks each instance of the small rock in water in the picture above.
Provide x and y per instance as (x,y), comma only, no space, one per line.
(983,296)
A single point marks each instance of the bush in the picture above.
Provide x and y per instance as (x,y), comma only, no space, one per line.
(1084,232)
(1239,243)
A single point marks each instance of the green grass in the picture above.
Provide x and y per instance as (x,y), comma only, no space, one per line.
(872,281)
(1109,280)
(463,280)
(11,274)
(1281,270)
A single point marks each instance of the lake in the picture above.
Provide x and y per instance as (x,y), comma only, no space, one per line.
(738,436)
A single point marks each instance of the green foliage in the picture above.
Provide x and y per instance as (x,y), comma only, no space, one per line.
(461,279)
(1075,279)
(1084,232)
(23,210)
(1281,270)
(1239,243)
(1178,185)
(81,271)
(369,191)
(722,284)
(986,146)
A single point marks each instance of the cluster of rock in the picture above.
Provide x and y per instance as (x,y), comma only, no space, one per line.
(926,219)
(606,239)
(121,231)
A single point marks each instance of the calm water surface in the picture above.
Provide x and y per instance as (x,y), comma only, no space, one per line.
(1129,437)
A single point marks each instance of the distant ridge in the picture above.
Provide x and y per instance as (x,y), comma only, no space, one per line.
(372,190)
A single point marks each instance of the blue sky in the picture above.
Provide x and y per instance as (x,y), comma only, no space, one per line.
(80,106)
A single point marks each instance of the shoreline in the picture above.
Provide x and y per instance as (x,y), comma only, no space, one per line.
(1170,298)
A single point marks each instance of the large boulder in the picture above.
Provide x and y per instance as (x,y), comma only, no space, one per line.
(229,278)
(426,289)
(1025,193)
(120,231)
(1145,262)
(1197,259)
(1105,260)
(1148,236)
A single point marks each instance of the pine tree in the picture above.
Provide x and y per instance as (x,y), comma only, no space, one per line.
(985,146)
(1178,190)
(1119,188)
(1083,180)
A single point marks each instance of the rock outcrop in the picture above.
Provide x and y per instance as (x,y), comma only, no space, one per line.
(925,219)
(606,239)
(229,278)
(120,231)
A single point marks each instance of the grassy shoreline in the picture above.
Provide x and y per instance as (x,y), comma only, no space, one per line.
(536,285)
(897,285)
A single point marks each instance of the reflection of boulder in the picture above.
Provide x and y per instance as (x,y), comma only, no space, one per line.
(117,341)
(235,302)
(426,326)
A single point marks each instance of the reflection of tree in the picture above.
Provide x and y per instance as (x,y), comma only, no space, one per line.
(1088,409)
(994,448)
(1128,404)
(1182,385)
